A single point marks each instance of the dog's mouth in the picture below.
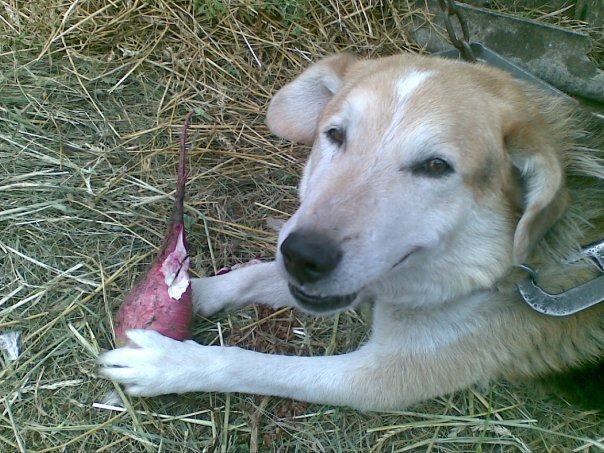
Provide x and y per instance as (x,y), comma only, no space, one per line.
(325,304)
(321,304)
(404,258)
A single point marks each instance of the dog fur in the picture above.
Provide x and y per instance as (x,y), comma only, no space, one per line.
(429,181)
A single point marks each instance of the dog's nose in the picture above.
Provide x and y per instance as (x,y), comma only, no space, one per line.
(309,256)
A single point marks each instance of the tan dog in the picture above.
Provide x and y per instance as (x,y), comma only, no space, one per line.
(428,182)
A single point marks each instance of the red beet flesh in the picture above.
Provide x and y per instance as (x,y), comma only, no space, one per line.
(161,299)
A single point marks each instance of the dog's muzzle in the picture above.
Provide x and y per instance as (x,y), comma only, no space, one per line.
(310,259)
(309,256)
(321,304)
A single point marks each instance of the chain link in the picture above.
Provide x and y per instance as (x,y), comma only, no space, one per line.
(462,43)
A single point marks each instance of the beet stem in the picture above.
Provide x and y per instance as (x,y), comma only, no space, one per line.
(179,196)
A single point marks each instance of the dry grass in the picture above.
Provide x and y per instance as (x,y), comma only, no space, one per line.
(92,95)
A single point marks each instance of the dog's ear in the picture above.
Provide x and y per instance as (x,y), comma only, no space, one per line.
(295,109)
(541,171)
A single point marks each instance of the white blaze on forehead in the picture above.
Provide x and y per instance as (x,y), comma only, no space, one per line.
(404,89)
(406,85)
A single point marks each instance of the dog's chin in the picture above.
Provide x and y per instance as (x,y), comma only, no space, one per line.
(321,304)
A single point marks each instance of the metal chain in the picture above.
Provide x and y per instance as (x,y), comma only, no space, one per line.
(462,43)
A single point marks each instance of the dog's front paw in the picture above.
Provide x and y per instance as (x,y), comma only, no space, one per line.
(153,364)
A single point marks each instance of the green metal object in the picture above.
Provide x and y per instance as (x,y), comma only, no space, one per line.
(553,54)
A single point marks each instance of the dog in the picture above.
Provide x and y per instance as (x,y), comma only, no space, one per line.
(429,182)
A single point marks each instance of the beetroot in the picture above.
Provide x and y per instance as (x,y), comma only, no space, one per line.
(161,299)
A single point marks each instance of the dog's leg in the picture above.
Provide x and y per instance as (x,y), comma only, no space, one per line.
(366,379)
(258,283)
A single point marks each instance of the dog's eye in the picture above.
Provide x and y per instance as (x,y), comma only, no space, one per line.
(433,167)
(335,135)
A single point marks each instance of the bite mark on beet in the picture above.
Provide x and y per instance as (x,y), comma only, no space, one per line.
(161,299)
(176,269)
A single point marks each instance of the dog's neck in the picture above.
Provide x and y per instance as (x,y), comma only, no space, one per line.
(426,329)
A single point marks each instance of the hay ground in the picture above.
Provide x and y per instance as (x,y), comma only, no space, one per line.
(92,96)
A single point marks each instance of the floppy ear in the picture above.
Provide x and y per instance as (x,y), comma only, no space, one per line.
(295,109)
(545,197)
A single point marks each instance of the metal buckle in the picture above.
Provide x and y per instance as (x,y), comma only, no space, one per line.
(571,301)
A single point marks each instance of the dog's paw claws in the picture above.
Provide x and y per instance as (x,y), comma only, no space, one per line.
(151,364)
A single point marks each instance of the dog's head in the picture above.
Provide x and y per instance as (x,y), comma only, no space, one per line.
(428,179)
